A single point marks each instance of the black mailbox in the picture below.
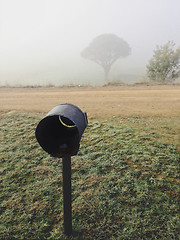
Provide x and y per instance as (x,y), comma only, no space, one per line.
(60,131)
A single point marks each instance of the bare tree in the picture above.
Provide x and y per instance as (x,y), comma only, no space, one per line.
(105,50)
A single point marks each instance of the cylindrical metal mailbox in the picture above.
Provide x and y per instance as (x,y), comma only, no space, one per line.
(60,131)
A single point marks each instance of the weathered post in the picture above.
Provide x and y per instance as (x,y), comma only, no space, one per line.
(67,195)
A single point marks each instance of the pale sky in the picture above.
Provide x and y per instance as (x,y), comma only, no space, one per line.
(41,40)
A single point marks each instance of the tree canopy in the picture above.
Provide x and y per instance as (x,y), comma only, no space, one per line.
(105,49)
(164,66)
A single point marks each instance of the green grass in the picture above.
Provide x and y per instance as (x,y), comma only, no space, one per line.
(125,181)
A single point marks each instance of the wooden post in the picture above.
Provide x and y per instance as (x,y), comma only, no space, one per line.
(67,195)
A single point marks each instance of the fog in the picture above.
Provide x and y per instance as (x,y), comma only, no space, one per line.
(41,40)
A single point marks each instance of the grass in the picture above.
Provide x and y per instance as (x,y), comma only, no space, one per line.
(125,180)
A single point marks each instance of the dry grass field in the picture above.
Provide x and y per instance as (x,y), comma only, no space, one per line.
(102,102)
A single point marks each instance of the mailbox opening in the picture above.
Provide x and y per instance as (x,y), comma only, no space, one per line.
(58,136)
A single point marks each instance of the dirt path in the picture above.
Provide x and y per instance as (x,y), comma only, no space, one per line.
(97,102)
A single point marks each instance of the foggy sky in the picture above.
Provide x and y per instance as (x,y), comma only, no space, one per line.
(41,40)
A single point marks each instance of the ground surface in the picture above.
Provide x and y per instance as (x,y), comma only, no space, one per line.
(97,102)
(125,178)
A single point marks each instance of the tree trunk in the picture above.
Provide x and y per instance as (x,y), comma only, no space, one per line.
(106,74)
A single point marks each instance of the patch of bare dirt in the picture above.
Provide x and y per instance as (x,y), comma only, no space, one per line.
(97,102)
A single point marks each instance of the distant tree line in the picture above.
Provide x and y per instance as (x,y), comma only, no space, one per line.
(106,49)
